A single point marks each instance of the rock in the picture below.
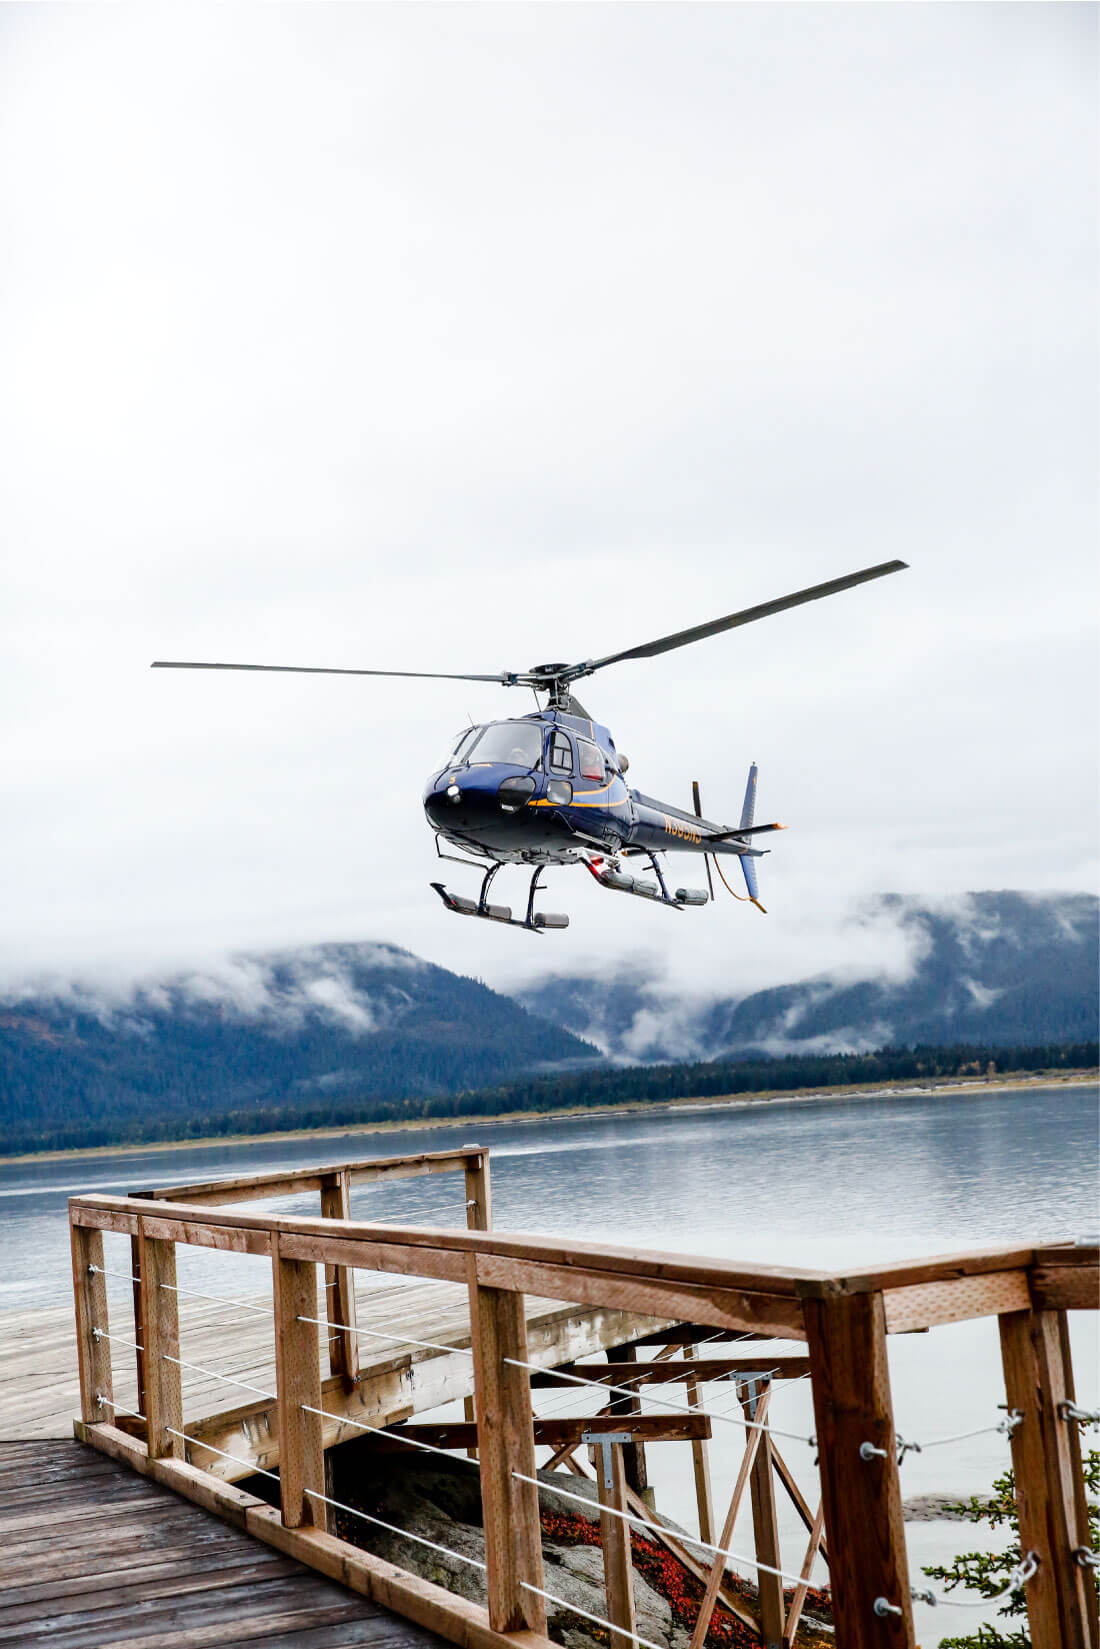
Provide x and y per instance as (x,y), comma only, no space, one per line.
(931,1508)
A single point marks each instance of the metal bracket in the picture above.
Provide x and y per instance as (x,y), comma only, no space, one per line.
(603,1441)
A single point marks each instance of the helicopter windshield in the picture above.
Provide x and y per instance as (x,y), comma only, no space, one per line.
(519,743)
(461,744)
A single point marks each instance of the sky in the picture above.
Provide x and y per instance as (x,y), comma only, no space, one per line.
(460,337)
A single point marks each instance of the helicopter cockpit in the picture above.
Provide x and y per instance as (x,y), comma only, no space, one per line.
(516,743)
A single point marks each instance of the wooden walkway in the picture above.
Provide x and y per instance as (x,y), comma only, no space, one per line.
(93,1555)
(40,1391)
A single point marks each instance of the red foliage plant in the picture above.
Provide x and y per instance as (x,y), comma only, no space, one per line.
(683,1593)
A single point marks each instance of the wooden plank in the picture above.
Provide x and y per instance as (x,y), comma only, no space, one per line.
(301,1451)
(700,1458)
(874,1279)
(1033,1349)
(696,1271)
(201,1234)
(90,1298)
(618,1569)
(1061,1287)
(718,1567)
(510,1508)
(862,1498)
(397,1259)
(160,1316)
(765,1529)
(340,1286)
(553,1434)
(751,1313)
(696,1370)
(924,1305)
(85,1211)
(290,1181)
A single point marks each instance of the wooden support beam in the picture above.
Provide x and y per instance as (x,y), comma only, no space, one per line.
(554,1434)
(797,1498)
(506,1444)
(862,1498)
(90,1299)
(700,1458)
(765,1527)
(618,1567)
(798,1601)
(718,1567)
(298,1375)
(620,1360)
(160,1319)
(343,1357)
(666,1371)
(1038,1380)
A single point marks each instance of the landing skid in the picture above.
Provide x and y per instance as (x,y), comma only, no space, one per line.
(610,876)
(534,921)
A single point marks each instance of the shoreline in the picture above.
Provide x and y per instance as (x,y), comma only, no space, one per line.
(952,1087)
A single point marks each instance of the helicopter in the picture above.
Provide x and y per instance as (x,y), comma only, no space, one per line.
(549,788)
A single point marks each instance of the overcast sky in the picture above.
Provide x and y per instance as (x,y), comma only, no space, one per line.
(462,337)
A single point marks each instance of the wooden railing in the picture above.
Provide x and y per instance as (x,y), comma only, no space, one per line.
(843,1319)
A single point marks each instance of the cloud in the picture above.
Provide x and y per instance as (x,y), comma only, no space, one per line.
(458,338)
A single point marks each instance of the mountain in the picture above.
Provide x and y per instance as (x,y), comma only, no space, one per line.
(995,968)
(272,1040)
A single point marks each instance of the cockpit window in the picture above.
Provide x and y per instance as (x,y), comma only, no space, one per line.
(462,744)
(591,760)
(561,756)
(519,743)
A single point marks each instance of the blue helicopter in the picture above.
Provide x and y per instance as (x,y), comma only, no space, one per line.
(549,788)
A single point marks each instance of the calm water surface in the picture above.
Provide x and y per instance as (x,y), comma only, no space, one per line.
(826,1183)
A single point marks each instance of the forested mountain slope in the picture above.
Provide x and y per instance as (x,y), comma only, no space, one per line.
(289,1035)
(996,968)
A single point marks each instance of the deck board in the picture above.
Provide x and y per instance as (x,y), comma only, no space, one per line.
(162,1574)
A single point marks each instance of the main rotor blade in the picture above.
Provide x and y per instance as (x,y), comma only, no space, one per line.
(749,615)
(502,678)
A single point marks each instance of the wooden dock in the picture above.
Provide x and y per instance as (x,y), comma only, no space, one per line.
(369,1326)
(189,1580)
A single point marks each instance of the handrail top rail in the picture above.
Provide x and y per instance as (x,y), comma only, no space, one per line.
(698,1270)
(238,1187)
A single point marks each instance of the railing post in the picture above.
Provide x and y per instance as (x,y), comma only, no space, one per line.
(479,1217)
(1045,1460)
(479,1197)
(139,1326)
(861,1497)
(163,1404)
(90,1298)
(343,1353)
(506,1444)
(765,1527)
(298,1375)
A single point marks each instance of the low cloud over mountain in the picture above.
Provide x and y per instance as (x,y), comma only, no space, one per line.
(1003,968)
(286,1033)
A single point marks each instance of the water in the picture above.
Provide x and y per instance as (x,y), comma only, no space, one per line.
(818,1184)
